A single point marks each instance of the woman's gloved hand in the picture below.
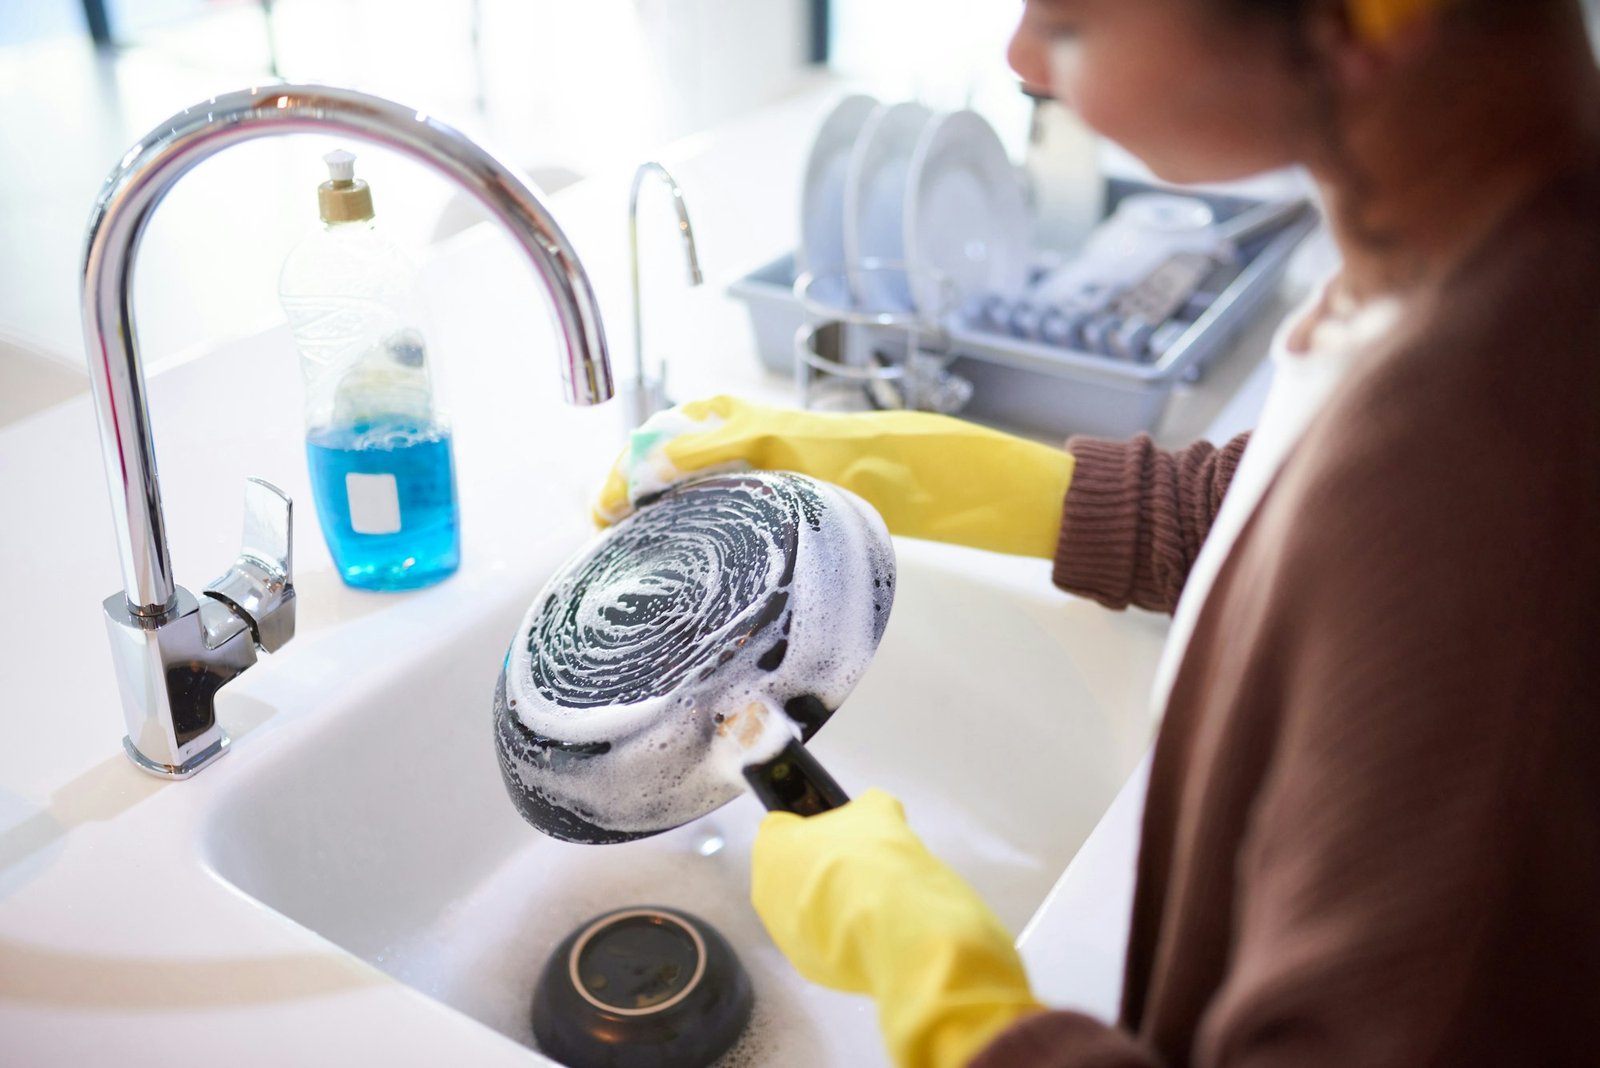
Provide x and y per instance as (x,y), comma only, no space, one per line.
(929,476)
(857,903)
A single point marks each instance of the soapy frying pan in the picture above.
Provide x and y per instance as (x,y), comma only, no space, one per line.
(688,652)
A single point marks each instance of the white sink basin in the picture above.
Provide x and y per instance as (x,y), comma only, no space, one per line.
(1004,715)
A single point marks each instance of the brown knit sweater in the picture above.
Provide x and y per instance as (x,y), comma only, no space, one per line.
(1372,834)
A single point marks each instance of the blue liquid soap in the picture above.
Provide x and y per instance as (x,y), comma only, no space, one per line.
(386,498)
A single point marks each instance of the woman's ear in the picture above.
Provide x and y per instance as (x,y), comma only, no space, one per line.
(1360,52)
(1351,63)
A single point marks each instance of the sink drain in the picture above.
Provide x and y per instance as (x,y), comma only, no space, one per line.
(640,988)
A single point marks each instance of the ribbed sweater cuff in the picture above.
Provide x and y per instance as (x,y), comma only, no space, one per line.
(1099,522)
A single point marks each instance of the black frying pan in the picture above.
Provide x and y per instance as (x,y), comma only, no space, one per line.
(695,644)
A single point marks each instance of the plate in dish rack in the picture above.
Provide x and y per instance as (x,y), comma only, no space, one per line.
(875,198)
(966,213)
(822,197)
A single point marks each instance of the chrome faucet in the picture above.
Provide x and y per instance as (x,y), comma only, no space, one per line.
(172,651)
(645,395)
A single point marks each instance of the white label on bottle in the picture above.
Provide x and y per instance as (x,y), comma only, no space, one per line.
(374,503)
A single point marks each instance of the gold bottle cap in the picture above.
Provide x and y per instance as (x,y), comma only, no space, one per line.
(343,197)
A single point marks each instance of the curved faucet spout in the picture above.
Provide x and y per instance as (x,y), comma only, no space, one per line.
(645,395)
(173,651)
(150,169)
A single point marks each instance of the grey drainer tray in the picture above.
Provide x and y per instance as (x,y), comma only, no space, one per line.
(1046,388)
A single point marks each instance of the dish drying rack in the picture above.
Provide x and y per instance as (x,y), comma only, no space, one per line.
(1048,388)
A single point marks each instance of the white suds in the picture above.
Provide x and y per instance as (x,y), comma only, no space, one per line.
(711,609)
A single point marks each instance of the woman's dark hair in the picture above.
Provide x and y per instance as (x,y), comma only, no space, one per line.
(1285,8)
(1294,10)
(1323,105)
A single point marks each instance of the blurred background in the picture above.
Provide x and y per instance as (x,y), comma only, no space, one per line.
(564,90)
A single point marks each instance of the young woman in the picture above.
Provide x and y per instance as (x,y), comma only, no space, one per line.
(1372,833)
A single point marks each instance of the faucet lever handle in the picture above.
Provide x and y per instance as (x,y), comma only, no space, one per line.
(268,527)
(260,585)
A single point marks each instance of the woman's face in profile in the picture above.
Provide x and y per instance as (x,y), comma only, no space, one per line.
(1201,90)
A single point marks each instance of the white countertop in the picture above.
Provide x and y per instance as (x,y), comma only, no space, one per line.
(115,945)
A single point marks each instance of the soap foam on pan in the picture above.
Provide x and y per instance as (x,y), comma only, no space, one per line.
(730,590)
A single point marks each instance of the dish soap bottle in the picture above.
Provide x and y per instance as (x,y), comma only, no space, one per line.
(379,450)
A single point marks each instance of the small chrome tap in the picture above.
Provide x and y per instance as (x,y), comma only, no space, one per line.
(646,395)
(172,651)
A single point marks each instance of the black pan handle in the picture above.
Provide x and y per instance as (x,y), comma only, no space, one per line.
(794,781)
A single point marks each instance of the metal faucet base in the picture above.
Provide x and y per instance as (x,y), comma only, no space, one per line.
(176,771)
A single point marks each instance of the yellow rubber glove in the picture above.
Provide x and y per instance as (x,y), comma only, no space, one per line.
(857,903)
(929,476)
